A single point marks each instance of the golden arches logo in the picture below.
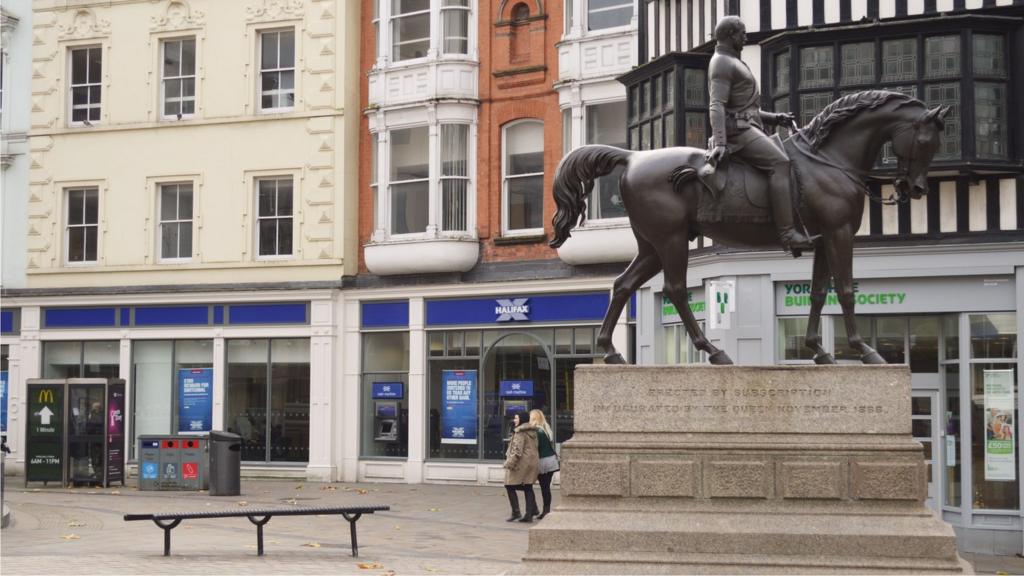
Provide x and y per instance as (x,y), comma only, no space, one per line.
(46,396)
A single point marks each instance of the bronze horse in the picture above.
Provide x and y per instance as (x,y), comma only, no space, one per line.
(663,191)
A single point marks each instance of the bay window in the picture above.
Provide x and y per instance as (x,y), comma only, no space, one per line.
(410,29)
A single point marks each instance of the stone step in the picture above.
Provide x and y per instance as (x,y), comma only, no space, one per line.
(624,562)
(797,535)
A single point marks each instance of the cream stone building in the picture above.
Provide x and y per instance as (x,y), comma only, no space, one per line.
(192,205)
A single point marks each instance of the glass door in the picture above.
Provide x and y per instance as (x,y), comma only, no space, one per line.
(924,426)
(86,415)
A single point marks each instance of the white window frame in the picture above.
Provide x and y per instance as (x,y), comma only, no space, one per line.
(505,231)
(68,226)
(433,18)
(441,178)
(161,221)
(586,136)
(71,107)
(259,66)
(432,173)
(163,79)
(468,13)
(585,6)
(258,218)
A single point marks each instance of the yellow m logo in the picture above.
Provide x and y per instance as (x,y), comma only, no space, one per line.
(46,396)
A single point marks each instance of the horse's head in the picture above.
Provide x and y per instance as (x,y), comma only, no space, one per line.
(914,144)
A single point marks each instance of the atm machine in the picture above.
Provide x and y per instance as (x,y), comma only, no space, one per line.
(516,397)
(387,410)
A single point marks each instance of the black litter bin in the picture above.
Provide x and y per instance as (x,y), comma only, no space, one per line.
(225,463)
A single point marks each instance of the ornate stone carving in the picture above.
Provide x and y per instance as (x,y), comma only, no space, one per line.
(270,10)
(83,25)
(177,16)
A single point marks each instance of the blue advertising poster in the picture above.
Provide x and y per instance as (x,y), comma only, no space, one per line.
(515,388)
(388,390)
(195,400)
(3,402)
(459,419)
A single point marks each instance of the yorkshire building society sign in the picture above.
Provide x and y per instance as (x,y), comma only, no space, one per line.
(905,295)
(512,309)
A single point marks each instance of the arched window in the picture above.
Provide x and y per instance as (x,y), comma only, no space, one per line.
(523,177)
(520,12)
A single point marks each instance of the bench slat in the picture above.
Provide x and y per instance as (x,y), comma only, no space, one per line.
(243,512)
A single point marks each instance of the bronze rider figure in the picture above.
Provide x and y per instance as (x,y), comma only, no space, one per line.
(737,127)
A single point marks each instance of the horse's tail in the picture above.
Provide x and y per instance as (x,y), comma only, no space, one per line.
(574,180)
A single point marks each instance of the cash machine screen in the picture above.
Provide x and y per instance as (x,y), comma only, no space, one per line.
(387,410)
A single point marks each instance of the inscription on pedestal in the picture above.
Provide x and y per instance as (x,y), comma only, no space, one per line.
(762,400)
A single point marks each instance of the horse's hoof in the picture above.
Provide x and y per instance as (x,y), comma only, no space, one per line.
(872,358)
(720,358)
(614,359)
(824,358)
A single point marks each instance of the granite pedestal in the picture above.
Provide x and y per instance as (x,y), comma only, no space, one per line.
(742,470)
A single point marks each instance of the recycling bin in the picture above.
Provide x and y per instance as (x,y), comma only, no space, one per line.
(149,463)
(225,464)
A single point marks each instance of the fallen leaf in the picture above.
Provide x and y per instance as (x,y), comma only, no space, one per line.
(370,565)
(187,526)
(272,542)
(242,503)
(207,503)
(291,501)
(429,569)
(115,492)
(398,527)
(70,536)
(75,524)
(331,488)
(299,487)
(360,491)
(312,544)
(433,509)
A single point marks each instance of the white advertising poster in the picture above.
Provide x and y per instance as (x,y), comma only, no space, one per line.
(1000,445)
(722,303)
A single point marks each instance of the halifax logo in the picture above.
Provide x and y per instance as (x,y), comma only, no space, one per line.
(512,309)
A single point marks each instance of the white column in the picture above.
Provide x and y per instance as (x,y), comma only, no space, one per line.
(417,392)
(321,391)
(434,170)
(24,363)
(219,380)
(347,411)
(125,373)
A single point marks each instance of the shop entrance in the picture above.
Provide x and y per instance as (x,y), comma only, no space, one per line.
(924,405)
(517,379)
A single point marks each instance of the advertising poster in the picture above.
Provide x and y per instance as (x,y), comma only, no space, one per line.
(1000,445)
(195,400)
(459,416)
(44,460)
(3,402)
(115,432)
(722,301)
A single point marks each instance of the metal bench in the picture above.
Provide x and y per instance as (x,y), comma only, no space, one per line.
(258,516)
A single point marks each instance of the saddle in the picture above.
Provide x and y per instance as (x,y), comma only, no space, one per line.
(735,193)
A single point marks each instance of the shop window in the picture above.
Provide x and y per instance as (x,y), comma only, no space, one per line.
(523,177)
(384,424)
(924,344)
(157,378)
(606,124)
(890,339)
(952,456)
(268,398)
(519,358)
(791,335)
(841,344)
(678,347)
(90,359)
(994,418)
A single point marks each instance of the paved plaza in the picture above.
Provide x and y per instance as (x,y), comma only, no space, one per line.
(431,529)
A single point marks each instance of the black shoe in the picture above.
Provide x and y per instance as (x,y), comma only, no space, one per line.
(542,514)
(513,517)
(527,519)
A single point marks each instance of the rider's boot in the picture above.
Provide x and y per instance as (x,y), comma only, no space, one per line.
(792,240)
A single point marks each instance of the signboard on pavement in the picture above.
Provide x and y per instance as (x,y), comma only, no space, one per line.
(115,432)
(44,450)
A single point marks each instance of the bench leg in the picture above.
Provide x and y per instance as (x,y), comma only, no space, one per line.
(352,529)
(167,532)
(259,532)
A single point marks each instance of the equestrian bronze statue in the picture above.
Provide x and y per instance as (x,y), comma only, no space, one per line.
(752,190)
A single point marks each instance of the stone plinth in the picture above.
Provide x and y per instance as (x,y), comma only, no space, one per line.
(753,470)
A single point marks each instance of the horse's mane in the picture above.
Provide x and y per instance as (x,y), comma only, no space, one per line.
(820,128)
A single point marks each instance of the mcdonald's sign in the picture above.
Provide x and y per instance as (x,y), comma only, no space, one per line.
(46,396)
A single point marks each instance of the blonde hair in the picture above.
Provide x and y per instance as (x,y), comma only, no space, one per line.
(537,419)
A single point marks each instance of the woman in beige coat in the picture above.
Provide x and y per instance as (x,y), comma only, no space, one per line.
(522,464)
